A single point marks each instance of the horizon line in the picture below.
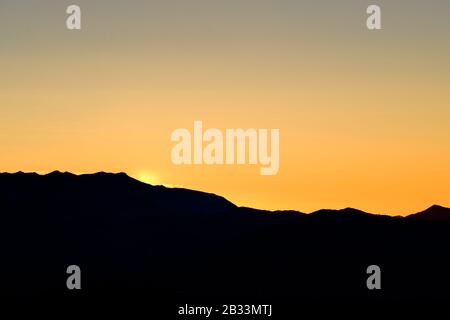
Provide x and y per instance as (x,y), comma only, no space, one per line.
(175,186)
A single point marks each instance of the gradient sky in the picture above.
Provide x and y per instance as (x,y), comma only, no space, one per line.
(364,116)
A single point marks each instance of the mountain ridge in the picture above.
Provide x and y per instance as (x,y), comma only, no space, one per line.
(435,212)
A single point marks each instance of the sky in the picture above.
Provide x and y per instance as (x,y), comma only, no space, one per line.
(364,116)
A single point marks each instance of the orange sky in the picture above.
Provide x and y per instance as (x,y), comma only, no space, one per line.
(364,117)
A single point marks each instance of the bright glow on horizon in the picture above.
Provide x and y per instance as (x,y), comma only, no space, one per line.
(146,177)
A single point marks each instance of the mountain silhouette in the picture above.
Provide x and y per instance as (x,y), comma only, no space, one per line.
(433,213)
(137,242)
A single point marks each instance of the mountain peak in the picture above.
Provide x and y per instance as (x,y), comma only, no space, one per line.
(345,211)
(433,213)
(436,207)
(59,173)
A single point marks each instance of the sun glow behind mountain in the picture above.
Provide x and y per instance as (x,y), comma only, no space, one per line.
(147,177)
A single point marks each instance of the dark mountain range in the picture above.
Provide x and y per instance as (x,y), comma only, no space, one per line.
(142,243)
